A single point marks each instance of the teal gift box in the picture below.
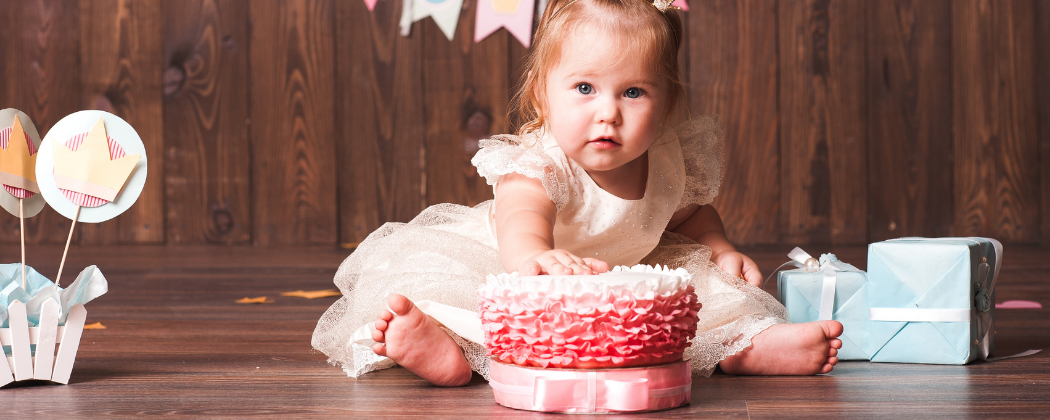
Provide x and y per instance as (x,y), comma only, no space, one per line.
(839,288)
(932,299)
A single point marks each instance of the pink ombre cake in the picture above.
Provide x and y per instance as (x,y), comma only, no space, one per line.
(633,316)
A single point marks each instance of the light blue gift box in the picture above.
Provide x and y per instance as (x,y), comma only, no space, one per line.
(802,292)
(932,299)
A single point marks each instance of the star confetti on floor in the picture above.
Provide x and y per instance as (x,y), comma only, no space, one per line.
(313,294)
(260,299)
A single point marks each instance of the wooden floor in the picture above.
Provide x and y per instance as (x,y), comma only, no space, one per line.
(177,344)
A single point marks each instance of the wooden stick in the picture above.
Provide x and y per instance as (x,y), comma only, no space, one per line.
(62,264)
(22,233)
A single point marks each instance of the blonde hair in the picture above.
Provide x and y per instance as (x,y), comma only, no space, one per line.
(653,33)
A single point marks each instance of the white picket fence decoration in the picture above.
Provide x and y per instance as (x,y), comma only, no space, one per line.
(43,364)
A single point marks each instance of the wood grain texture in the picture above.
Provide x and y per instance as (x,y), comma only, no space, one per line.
(40,70)
(314,121)
(293,139)
(909,118)
(177,345)
(206,112)
(822,115)
(467,92)
(381,123)
(994,120)
(733,69)
(1042,77)
(121,55)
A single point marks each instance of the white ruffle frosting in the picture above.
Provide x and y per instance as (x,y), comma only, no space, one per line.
(640,279)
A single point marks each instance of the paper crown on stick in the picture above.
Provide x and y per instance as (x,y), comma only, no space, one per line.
(17,164)
(90,169)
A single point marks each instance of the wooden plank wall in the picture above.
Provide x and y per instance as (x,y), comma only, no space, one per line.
(314,121)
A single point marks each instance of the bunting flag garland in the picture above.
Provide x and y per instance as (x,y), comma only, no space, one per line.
(444,12)
(515,15)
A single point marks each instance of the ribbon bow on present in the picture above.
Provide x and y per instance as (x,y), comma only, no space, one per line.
(830,265)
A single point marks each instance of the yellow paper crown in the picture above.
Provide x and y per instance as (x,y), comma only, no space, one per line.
(17,166)
(89,170)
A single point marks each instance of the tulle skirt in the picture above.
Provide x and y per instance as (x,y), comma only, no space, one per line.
(445,254)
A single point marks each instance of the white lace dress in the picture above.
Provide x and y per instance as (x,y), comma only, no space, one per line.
(445,253)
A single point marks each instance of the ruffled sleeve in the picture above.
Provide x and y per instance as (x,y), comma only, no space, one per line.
(704,155)
(503,154)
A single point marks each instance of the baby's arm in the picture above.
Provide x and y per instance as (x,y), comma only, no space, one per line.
(702,224)
(524,217)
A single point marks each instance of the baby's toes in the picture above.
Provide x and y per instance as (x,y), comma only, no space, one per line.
(381,325)
(833,352)
(835,343)
(377,334)
(379,349)
(385,315)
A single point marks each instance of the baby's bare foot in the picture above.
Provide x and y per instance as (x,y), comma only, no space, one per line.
(789,349)
(415,342)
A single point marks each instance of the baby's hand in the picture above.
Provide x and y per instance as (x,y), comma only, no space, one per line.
(561,262)
(737,265)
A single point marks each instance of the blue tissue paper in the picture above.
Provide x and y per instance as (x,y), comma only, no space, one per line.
(88,285)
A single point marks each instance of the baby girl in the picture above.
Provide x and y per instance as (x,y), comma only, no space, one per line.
(596,177)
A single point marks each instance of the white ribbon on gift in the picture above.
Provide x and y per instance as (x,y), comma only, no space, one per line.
(800,258)
(919,315)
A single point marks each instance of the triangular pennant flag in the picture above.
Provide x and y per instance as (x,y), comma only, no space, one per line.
(444,12)
(515,15)
(371,4)
(681,4)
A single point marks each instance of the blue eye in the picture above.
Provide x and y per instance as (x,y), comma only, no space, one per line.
(633,93)
(584,88)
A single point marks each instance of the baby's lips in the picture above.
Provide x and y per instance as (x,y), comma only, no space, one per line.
(605,138)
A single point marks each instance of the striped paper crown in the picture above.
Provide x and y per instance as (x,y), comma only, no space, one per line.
(17,163)
(91,169)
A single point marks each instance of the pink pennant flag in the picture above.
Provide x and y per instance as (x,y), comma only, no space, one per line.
(371,4)
(515,15)
(680,3)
